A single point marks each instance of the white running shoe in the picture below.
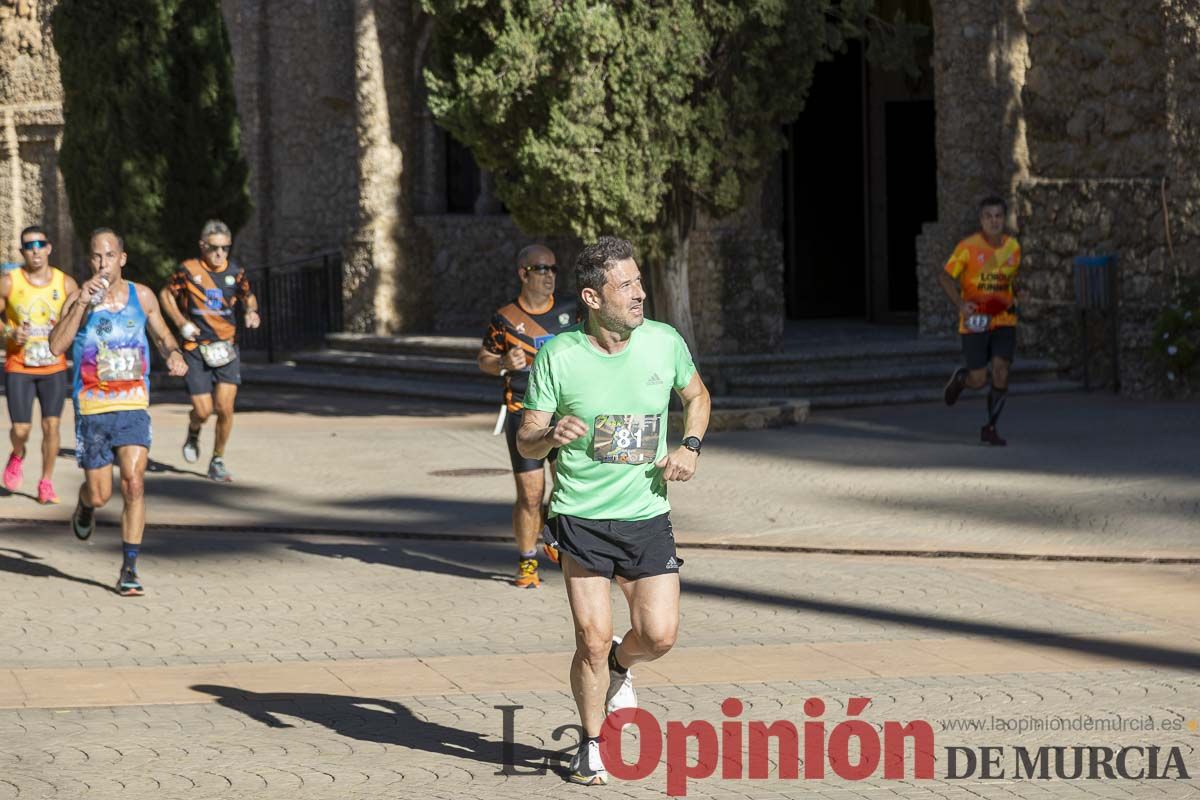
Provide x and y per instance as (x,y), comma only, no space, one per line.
(586,767)
(620,689)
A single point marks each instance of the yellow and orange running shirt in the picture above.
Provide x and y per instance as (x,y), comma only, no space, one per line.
(38,307)
(986,276)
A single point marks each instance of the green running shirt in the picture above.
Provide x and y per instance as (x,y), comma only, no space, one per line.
(609,474)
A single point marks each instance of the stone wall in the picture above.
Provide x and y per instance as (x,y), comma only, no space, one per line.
(31,189)
(1097,145)
(979,60)
(1094,96)
(294,81)
(473,260)
(1065,218)
(734,277)
(736,281)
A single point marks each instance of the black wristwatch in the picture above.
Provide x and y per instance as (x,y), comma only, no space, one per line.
(692,443)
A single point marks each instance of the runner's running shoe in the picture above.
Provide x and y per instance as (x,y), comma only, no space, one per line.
(551,551)
(586,767)
(620,689)
(958,382)
(13,472)
(218,472)
(46,493)
(191,447)
(527,574)
(128,584)
(988,435)
(83,521)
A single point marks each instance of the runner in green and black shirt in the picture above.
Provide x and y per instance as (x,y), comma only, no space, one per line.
(609,382)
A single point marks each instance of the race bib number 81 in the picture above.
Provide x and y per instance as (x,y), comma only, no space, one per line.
(625,438)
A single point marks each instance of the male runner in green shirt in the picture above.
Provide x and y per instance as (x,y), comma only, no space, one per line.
(609,382)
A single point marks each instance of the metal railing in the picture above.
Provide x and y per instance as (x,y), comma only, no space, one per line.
(301,302)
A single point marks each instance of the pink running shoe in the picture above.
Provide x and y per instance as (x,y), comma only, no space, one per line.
(46,493)
(13,473)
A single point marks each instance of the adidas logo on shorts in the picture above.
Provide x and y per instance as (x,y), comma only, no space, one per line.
(672,563)
(654,380)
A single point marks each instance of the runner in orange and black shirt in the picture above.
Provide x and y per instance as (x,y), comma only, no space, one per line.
(200,299)
(980,279)
(517,332)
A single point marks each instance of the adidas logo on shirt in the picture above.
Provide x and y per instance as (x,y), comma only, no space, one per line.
(672,563)
(654,380)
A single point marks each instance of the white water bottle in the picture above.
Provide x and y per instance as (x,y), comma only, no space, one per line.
(98,298)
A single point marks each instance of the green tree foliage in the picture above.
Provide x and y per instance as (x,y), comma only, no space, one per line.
(630,116)
(150,145)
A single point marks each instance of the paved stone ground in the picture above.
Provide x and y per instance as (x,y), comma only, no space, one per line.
(296,665)
(324,746)
(256,596)
(969,640)
(1083,475)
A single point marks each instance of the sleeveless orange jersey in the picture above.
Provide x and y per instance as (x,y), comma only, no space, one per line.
(39,308)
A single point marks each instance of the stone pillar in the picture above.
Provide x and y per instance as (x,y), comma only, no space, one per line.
(1182,40)
(384,293)
(12,157)
(979,70)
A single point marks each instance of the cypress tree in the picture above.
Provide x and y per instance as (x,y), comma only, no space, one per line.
(150,144)
(630,116)
(206,174)
(112,60)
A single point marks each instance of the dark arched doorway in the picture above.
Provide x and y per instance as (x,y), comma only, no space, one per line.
(860,179)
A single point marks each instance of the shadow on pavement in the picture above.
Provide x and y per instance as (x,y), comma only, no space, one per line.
(1049,435)
(393,556)
(253,398)
(381,721)
(1149,655)
(27,564)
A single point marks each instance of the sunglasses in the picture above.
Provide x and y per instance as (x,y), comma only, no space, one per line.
(36,244)
(551,268)
(225,248)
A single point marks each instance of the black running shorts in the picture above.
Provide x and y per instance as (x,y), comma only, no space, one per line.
(980,348)
(21,388)
(201,378)
(512,423)
(633,550)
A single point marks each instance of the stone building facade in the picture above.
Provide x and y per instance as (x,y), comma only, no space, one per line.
(1081,112)
(1084,114)
(31,188)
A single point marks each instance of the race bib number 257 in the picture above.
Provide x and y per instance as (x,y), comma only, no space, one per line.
(625,438)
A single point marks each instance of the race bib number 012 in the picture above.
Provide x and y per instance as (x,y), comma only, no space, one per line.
(625,438)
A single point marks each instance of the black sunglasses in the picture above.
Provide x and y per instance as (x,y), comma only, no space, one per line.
(35,244)
(224,247)
(551,268)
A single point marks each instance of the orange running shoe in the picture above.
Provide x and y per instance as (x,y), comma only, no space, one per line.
(527,575)
(551,551)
